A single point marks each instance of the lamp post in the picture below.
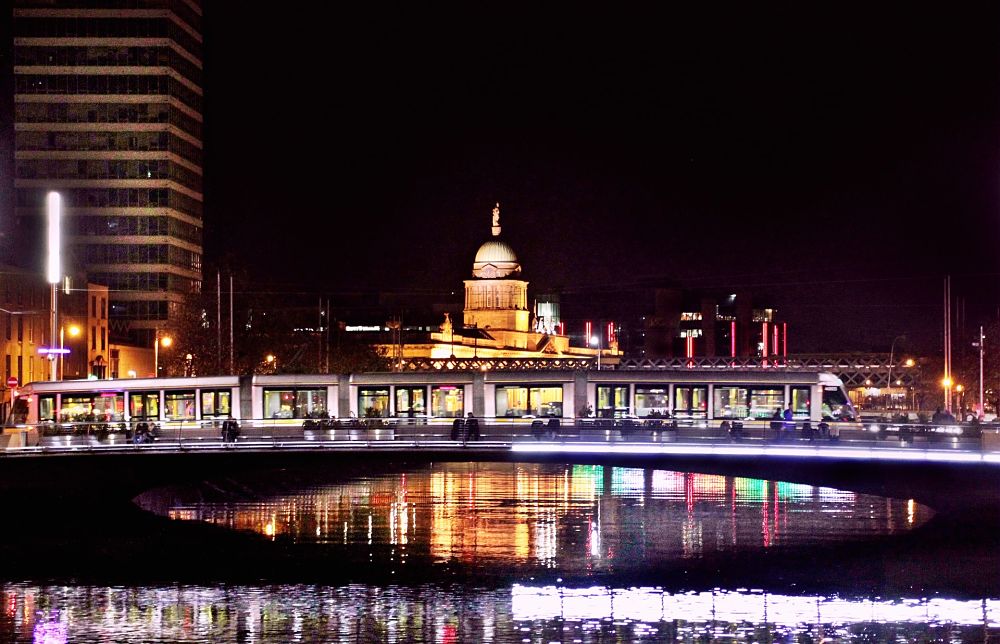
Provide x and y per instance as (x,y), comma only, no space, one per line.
(595,341)
(166,341)
(74,331)
(53,268)
(889,381)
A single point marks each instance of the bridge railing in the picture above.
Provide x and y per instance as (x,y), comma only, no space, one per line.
(495,431)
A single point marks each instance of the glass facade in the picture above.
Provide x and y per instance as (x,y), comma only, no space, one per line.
(448,401)
(515,401)
(294,403)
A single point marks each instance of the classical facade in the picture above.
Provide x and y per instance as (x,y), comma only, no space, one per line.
(497,320)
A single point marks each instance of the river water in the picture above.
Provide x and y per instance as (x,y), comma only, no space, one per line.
(566,537)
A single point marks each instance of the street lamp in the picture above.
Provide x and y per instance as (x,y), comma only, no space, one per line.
(595,341)
(74,331)
(166,341)
(53,267)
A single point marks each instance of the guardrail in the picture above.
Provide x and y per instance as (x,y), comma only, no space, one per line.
(401,433)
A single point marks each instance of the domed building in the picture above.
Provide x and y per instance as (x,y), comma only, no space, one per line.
(496,320)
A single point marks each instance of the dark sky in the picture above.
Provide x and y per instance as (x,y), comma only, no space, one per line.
(840,163)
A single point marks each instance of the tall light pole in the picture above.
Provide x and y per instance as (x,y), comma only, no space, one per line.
(166,341)
(74,331)
(980,344)
(892,349)
(53,269)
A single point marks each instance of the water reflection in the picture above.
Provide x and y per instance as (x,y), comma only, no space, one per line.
(431,613)
(573,518)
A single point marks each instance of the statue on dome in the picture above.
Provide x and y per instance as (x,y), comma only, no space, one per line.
(496,220)
(446,327)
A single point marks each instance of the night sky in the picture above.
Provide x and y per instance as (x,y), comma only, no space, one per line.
(839,163)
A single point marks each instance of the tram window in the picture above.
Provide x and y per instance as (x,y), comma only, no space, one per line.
(144,405)
(178,405)
(19,411)
(515,401)
(410,399)
(763,401)
(836,406)
(373,402)
(215,404)
(730,402)
(612,401)
(448,401)
(46,408)
(78,408)
(652,400)
(800,402)
(691,402)
(294,403)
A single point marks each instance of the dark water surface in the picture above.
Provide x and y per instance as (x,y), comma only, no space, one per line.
(560,533)
(570,518)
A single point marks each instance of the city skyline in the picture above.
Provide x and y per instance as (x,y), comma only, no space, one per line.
(804,155)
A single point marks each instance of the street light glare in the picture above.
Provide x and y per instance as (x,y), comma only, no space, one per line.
(166,341)
(53,270)
(74,331)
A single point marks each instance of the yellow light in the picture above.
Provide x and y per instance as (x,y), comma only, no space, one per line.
(166,341)
(73,331)
(946,382)
(909,362)
(959,388)
(269,358)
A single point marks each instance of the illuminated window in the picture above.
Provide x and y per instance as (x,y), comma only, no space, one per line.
(448,401)
(690,316)
(373,402)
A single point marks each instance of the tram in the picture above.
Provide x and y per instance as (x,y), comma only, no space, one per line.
(698,396)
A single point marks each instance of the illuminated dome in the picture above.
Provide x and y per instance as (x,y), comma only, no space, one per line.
(494,259)
(495,251)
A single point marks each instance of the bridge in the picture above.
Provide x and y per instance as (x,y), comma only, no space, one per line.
(946,470)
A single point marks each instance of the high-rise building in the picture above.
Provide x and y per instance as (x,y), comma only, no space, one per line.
(108,111)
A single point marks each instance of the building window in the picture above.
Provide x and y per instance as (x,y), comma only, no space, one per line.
(103,338)
(20,328)
(93,338)
(104,309)
(93,306)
